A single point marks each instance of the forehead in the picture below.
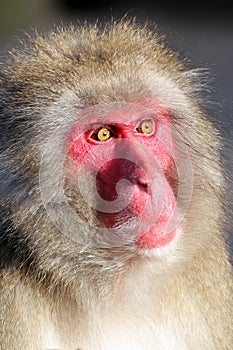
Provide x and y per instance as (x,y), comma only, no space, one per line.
(119,113)
(117,61)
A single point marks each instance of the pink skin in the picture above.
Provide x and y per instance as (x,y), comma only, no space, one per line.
(109,174)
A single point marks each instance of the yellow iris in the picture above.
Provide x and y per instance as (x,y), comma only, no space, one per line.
(103,134)
(146,127)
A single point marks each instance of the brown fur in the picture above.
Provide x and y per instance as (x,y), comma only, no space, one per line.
(100,298)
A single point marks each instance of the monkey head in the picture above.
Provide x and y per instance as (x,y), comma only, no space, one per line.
(111,141)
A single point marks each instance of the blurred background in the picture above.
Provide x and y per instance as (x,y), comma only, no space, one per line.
(202,31)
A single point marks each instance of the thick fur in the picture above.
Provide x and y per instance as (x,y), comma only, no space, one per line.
(58,294)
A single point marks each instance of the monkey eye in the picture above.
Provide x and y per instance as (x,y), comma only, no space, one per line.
(146,127)
(102,134)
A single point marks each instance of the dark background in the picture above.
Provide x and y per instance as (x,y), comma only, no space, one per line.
(202,31)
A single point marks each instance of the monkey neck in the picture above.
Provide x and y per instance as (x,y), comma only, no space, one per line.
(106,299)
(103,289)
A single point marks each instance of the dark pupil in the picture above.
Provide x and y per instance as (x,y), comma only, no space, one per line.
(105,133)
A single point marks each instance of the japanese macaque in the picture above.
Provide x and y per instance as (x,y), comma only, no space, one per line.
(112,197)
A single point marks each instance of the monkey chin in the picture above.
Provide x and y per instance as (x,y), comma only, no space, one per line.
(150,239)
(158,235)
(163,253)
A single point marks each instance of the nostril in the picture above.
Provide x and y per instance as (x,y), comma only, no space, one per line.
(138,178)
(143,184)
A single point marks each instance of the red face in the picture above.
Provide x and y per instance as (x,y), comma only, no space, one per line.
(134,145)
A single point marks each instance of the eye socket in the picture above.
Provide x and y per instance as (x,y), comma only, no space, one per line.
(101,135)
(146,127)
